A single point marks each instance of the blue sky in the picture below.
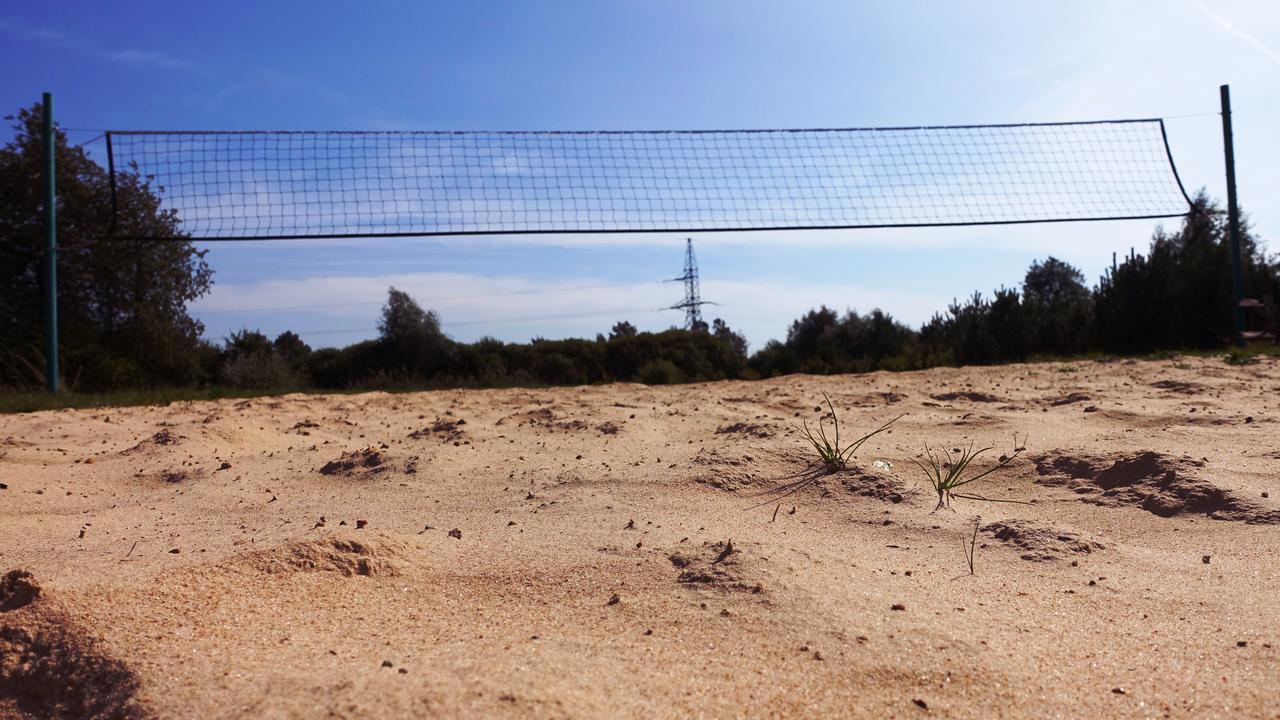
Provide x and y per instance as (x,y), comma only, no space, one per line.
(630,65)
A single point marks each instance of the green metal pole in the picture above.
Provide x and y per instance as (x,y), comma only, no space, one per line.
(1233,220)
(50,248)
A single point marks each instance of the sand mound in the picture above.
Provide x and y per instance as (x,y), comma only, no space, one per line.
(167,476)
(724,470)
(717,565)
(547,419)
(1069,399)
(748,429)
(1179,387)
(969,395)
(446,431)
(736,472)
(18,588)
(163,438)
(344,554)
(51,667)
(873,483)
(879,398)
(1039,542)
(365,462)
(1160,484)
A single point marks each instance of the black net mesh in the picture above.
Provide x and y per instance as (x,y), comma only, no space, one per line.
(260,185)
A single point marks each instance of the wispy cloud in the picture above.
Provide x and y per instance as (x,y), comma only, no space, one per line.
(135,57)
(1237,31)
(149,58)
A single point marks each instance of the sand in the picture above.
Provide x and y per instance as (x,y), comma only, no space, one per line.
(613,551)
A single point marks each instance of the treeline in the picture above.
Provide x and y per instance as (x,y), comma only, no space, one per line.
(411,351)
(125,325)
(1175,297)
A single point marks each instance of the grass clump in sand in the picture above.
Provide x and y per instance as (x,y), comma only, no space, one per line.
(945,470)
(1240,357)
(832,455)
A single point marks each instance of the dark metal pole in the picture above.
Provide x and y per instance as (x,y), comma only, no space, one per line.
(1233,220)
(50,248)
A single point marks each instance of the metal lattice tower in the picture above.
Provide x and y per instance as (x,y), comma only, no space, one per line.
(693,302)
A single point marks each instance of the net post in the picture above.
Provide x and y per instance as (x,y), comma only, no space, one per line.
(111,175)
(50,139)
(1233,220)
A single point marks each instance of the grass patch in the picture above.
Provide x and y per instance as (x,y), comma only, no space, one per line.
(946,472)
(1240,357)
(833,456)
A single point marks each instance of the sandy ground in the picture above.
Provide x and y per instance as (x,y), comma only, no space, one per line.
(595,552)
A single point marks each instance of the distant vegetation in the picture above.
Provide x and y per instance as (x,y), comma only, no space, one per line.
(125,327)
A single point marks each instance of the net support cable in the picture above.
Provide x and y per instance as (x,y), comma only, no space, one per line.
(264,185)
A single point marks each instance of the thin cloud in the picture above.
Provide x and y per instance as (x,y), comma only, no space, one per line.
(149,58)
(70,41)
(1237,31)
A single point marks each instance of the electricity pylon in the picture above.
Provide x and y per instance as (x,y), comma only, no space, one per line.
(693,302)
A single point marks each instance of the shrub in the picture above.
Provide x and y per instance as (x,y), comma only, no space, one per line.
(660,372)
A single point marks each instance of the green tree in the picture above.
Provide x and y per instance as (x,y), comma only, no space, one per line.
(622,329)
(1057,307)
(1179,294)
(122,304)
(411,338)
(736,340)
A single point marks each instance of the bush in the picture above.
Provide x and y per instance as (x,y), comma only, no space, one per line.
(259,371)
(660,372)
